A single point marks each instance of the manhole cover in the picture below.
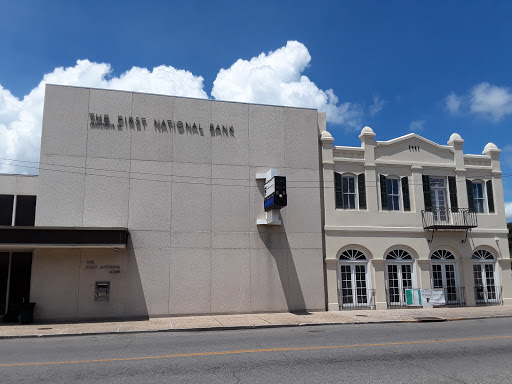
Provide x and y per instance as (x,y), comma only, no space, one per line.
(429,319)
(44,329)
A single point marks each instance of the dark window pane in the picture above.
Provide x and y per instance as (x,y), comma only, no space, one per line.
(25,210)
(345,185)
(6,204)
(4,272)
(19,290)
(352,201)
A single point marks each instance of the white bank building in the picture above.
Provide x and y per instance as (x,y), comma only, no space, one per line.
(149,205)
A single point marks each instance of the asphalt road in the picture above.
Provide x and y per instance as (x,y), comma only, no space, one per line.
(472,351)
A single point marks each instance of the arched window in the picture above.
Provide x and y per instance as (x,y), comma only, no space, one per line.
(352,255)
(482,255)
(444,275)
(442,254)
(398,255)
(399,276)
(354,280)
(484,278)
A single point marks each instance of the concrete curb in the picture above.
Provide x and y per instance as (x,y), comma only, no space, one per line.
(246,327)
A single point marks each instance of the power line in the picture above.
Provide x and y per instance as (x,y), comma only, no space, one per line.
(87,169)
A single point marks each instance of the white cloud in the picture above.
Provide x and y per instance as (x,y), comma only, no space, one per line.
(276,78)
(376,106)
(507,148)
(272,78)
(417,125)
(508,211)
(20,120)
(485,100)
(491,100)
(453,103)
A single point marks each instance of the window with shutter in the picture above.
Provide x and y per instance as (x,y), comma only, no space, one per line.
(405,193)
(469,190)
(383,193)
(338,190)
(427,195)
(361,186)
(452,185)
(490,196)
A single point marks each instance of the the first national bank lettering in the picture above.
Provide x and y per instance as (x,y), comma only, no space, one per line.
(138,123)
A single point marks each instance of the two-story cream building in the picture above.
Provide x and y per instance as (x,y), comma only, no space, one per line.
(410,213)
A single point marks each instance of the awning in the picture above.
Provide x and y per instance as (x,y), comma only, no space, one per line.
(62,237)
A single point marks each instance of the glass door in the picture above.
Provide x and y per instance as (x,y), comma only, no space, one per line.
(353,285)
(399,279)
(444,277)
(439,205)
(485,283)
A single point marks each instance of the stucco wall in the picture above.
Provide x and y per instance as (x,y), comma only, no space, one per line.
(188,197)
(375,230)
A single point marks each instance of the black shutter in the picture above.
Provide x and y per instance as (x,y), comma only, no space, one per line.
(383,193)
(427,197)
(405,193)
(452,185)
(490,196)
(361,187)
(338,190)
(469,189)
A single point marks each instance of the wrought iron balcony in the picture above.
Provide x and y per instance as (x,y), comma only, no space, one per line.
(357,298)
(453,296)
(449,218)
(488,295)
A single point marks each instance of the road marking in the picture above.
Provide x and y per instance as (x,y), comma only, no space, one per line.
(253,351)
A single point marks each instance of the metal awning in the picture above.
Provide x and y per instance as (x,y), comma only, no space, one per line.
(62,237)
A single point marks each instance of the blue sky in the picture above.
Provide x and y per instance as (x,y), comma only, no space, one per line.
(433,67)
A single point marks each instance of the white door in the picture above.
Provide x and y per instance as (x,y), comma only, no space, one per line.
(444,276)
(485,283)
(399,279)
(439,205)
(353,285)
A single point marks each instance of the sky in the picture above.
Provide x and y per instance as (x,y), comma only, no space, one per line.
(432,68)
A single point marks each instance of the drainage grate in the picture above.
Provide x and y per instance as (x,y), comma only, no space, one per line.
(44,329)
(431,319)
(362,315)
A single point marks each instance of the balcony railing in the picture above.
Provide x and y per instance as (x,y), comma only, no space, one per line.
(449,218)
(488,295)
(358,298)
(454,297)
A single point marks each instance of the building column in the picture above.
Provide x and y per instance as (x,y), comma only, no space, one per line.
(505,280)
(331,267)
(466,281)
(424,280)
(379,284)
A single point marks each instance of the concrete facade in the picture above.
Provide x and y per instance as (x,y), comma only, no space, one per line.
(180,175)
(376,231)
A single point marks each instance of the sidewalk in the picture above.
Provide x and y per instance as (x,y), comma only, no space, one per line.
(252,321)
